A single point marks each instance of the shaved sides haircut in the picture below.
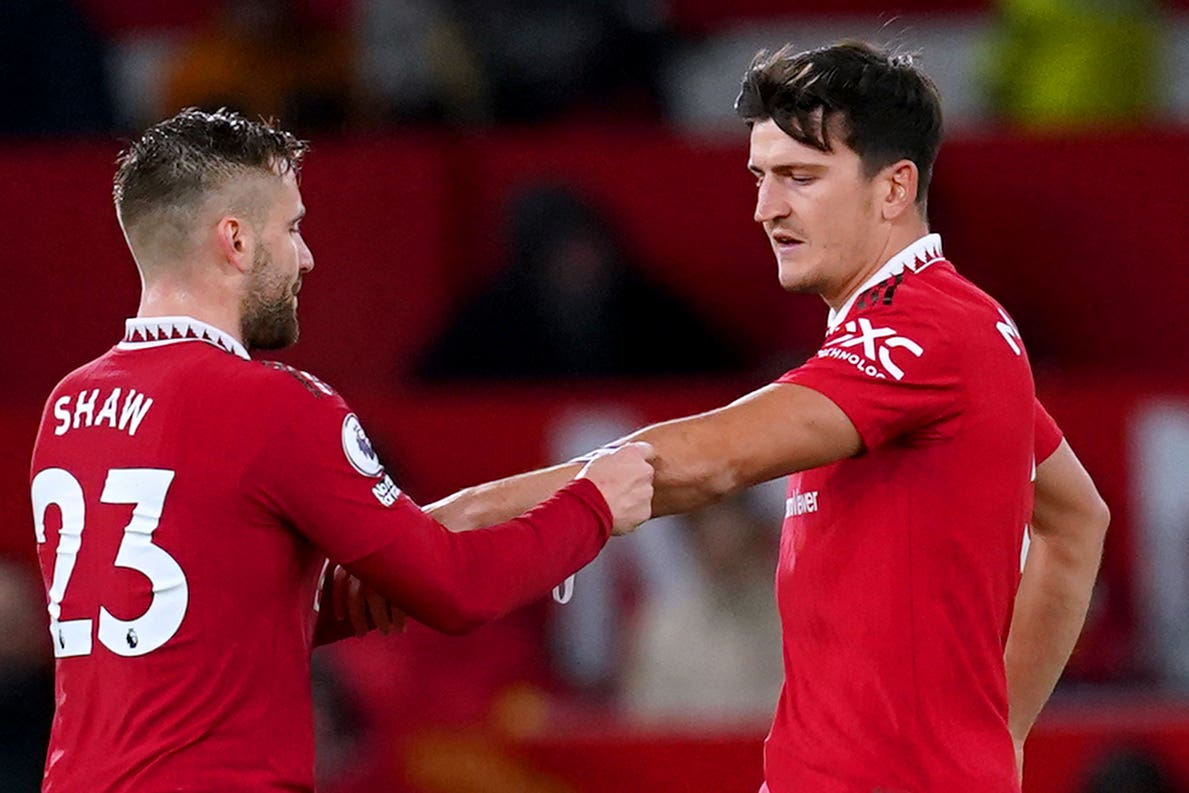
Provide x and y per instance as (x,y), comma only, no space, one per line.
(168,174)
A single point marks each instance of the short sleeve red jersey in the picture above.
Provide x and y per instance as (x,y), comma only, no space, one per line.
(1048,434)
(186,499)
(898,567)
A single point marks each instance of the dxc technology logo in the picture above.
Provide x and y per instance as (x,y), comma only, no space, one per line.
(877,345)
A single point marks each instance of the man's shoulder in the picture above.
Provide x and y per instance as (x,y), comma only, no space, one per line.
(935,296)
(908,304)
(278,389)
(291,381)
(83,373)
(930,312)
(934,310)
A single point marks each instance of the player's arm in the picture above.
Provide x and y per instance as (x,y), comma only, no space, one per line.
(454,582)
(700,459)
(316,471)
(1069,523)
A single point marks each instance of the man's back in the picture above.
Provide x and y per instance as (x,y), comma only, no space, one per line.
(187,500)
(187,604)
(899,566)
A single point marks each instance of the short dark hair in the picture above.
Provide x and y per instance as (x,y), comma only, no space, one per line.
(882,106)
(176,162)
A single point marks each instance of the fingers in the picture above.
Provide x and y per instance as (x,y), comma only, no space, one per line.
(377,609)
(625,478)
(361,606)
(645,449)
(338,593)
(398,618)
(357,606)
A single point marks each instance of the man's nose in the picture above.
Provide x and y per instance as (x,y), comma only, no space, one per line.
(769,203)
(306,260)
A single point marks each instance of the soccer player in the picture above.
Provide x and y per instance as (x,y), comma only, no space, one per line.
(912,438)
(187,498)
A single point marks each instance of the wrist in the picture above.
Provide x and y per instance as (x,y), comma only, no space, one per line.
(458,512)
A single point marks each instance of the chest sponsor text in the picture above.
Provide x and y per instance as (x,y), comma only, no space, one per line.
(800,504)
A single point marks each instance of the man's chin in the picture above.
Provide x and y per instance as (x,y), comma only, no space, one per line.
(797,283)
(273,344)
(275,338)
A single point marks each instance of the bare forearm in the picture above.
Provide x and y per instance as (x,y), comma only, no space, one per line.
(501,500)
(693,469)
(682,483)
(1050,611)
(453,582)
(699,459)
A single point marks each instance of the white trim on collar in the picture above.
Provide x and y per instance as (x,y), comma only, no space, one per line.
(915,257)
(143,332)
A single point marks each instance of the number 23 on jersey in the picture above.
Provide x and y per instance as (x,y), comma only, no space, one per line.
(145,489)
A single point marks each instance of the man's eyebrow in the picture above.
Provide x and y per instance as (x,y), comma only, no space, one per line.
(301,213)
(789,167)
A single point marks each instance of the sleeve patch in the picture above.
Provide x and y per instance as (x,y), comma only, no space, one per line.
(358,448)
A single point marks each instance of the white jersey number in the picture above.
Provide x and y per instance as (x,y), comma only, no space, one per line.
(145,489)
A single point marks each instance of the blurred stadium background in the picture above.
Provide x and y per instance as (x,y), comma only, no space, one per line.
(473,160)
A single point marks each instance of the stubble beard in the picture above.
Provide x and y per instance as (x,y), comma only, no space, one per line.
(798,280)
(268,312)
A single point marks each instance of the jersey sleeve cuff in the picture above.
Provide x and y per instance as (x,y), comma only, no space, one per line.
(849,403)
(588,494)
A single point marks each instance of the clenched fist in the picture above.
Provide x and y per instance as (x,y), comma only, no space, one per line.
(624,477)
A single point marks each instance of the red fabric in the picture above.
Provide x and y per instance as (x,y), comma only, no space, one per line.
(245,477)
(898,567)
(456,582)
(1048,434)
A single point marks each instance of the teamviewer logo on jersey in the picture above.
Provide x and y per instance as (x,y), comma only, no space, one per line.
(876,346)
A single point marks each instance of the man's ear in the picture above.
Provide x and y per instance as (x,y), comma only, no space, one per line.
(899,183)
(235,238)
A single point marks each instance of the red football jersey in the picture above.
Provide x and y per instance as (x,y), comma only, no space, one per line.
(1048,434)
(898,567)
(186,499)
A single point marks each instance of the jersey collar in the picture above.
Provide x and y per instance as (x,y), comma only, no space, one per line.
(144,332)
(915,257)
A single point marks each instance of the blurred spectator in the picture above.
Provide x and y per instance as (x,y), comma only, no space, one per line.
(571,303)
(54,70)
(26,681)
(1160,442)
(538,59)
(415,63)
(1130,771)
(266,58)
(587,635)
(710,648)
(1063,63)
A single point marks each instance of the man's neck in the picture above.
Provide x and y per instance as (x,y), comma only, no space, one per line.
(156,304)
(896,241)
